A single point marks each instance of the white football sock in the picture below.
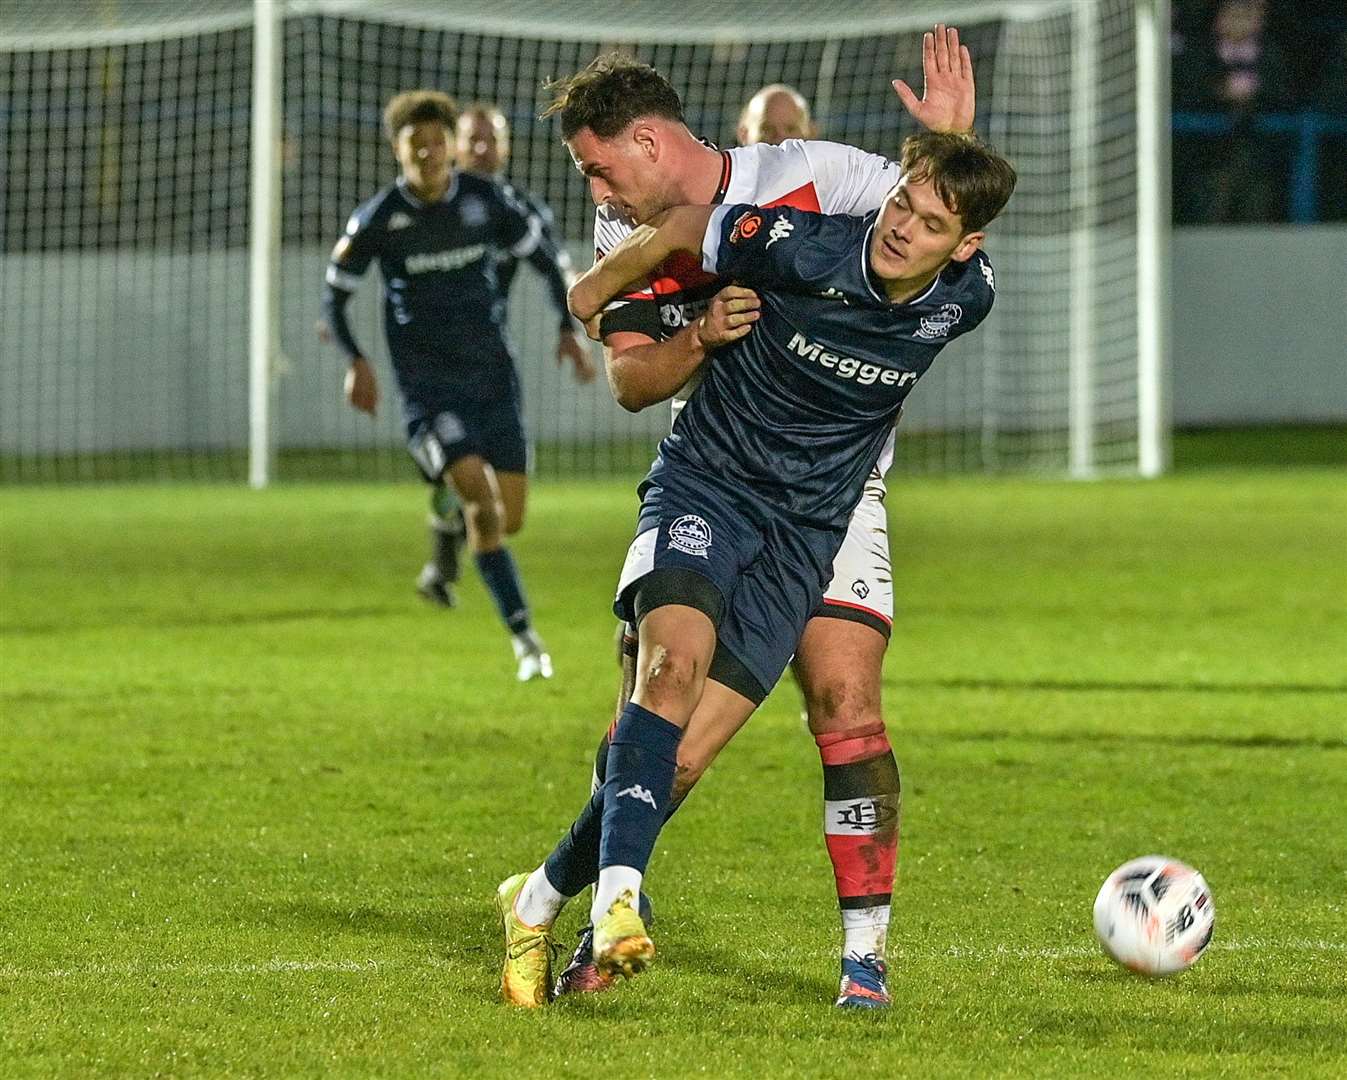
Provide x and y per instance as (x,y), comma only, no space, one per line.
(614,881)
(865,931)
(538,902)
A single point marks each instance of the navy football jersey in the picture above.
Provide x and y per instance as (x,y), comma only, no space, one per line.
(800,408)
(444,313)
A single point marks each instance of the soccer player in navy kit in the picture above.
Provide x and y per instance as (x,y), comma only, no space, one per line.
(437,236)
(750,497)
(624,126)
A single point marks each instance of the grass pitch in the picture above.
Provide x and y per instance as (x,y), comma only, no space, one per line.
(254,796)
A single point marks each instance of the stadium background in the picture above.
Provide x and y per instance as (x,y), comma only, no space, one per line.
(255,796)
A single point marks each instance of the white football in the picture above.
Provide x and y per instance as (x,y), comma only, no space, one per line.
(1155,915)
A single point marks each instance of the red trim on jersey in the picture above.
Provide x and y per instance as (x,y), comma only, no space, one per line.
(726,170)
(804,197)
(859,607)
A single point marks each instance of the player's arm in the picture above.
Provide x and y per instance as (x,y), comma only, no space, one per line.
(645,248)
(552,262)
(350,259)
(527,236)
(644,372)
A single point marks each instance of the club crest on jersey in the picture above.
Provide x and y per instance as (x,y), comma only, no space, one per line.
(938,325)
(781,228)
(746,226)
(472,211)
(691,535)
(398,220)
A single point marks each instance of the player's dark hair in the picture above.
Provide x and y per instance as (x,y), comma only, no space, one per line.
(610,93)
(970,177)
(418,107)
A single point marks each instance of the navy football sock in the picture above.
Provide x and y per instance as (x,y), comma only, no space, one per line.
(642,752)
(502,581)
(574,862)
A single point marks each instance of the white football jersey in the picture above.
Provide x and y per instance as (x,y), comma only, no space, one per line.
(823,177)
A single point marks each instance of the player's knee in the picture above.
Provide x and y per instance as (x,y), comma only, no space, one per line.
(843,705)
(671,676)
(485,521)
(514,520)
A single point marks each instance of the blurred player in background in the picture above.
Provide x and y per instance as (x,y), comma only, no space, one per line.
(482,146)
(437,236)
(623,123)
(774,114)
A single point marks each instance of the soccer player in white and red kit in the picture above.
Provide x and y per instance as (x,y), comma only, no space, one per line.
(623,124)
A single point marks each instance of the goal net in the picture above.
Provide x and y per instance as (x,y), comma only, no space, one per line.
(128,196)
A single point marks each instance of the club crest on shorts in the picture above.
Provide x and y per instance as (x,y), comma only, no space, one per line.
(690,535)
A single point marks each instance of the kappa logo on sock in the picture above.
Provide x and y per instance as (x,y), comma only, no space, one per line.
(639,793)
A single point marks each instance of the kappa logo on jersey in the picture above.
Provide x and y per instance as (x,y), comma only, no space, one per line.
(831,293)
(986,269)
(691,535)
(398,220)
(472,211)
(781,228)
(638,793)
(746,227)
(938,325)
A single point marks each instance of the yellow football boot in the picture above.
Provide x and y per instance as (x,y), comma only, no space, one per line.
(527,975)
(621,944)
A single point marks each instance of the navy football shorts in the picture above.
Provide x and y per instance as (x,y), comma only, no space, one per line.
(768,571)
(441,433)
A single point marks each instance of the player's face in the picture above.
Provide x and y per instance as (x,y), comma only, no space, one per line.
(482,142)
(623,172)
(917,234)
(423,152)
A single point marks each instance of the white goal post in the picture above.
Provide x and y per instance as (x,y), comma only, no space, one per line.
(1069,376)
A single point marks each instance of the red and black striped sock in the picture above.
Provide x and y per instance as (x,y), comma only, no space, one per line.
(862,800)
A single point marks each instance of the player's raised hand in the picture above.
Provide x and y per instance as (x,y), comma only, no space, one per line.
(570,347)
(362,389)
(948,101)
(732,313)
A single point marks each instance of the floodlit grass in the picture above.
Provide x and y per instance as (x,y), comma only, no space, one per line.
(254,796)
